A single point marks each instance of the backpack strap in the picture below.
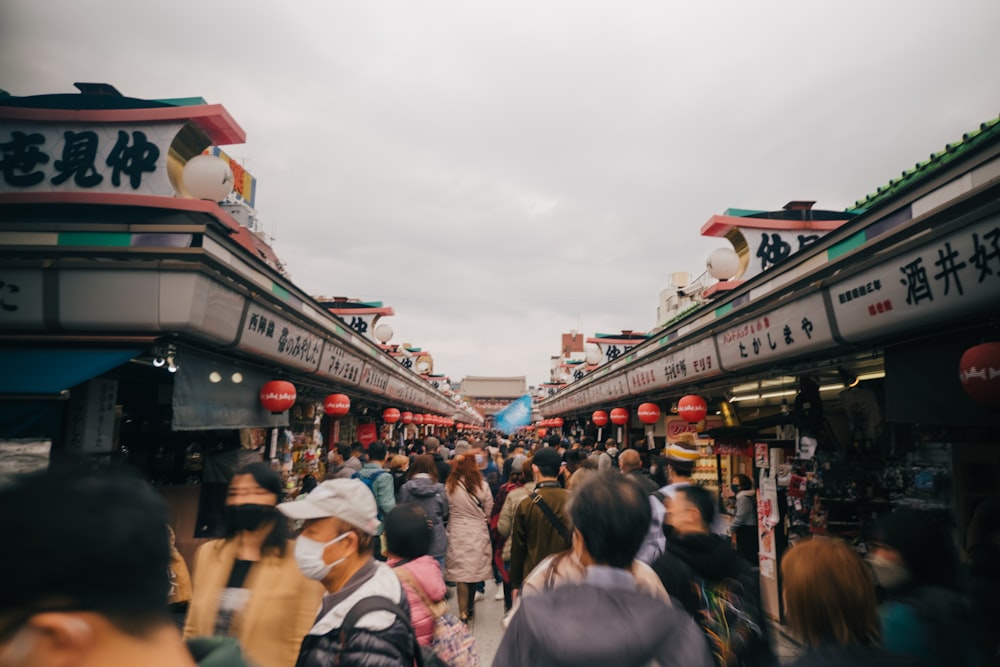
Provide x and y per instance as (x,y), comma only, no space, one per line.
(437,609)
(551,516)
(373,604)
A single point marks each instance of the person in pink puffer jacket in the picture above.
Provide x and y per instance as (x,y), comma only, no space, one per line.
(408,533)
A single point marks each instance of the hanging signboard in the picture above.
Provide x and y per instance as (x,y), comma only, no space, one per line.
(338,364)
(374,380)
(691,363)
(270,335)
(91,157)
(800,327)
(956,274)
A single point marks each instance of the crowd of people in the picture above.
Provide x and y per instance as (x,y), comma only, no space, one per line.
(604,556)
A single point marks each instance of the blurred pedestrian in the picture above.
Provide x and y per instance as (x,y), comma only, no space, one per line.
(559,627)
(983,554)
(423,488)
(699,568)
(743,527)
(925,613)
(398,467)
(469,556)
(308,484)
(831,606)
(247,585)
(85,583)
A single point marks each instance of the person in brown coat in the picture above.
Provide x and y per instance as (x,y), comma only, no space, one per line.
(248,585)
(534,535)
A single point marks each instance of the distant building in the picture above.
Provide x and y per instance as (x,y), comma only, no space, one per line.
(489,395)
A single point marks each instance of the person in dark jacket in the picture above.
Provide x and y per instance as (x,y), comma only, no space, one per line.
(924,614)
(983,554)
(423,488)
(605,620)
(696,558)
(831,606)
(336,547)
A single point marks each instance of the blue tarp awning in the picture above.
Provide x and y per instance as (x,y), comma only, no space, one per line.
(45,371)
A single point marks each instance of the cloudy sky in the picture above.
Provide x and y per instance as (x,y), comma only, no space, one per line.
(502,172)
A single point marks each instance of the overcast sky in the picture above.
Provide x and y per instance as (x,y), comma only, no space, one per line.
(503,172)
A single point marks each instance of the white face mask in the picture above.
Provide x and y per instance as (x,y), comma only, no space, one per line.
(309,556)
(890,575)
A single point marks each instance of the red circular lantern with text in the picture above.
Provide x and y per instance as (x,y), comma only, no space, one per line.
(390,416)
(418,419)
(406,417)
(600,418)
(557,422)
(692,408)
(619,416)
(979,373)
(337,405)
(649,413)
(277,396)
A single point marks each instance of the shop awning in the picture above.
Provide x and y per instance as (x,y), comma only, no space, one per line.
(49,371)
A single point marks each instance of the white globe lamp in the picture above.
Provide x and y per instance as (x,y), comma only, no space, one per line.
(383,333)
(207,177)
(594,355)
(723,263)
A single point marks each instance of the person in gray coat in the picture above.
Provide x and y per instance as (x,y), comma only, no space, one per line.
(610,515)
(423,488)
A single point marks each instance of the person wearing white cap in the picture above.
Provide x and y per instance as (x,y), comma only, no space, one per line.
(336,548)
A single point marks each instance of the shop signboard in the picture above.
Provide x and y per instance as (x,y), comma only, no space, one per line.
(956,274)
(693,362)
(21,302)
(789,331)
(92,417)
(373,379)
(614,388)
(120,158)
(367,434)
(339,364)
(272,336)
(678,425)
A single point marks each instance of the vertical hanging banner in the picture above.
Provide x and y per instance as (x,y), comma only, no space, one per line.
(515,415)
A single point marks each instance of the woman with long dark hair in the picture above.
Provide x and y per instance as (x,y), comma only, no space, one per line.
(469,552)
(248,585)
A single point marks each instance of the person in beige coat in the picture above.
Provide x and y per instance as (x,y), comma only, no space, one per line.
(248,585)
(469,558)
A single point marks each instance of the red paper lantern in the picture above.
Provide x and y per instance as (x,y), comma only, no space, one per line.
(406,417)
(600,418)
(979,373)
(557,422)
(541,433)
(390,416)
(337,405)
(649,413)
(692,408)
(418,419)
(619,416)
(277,396)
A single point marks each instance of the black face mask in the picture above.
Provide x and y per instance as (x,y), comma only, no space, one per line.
(247,517)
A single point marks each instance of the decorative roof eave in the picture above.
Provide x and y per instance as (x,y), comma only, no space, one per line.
(720,225)
(988,131)
(213,119)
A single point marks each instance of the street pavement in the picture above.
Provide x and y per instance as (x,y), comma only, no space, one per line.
(488,630)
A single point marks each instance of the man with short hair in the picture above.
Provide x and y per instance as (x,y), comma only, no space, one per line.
(609,515)
(696,561)
(356,459)
(335,548)
(338,469)
(85,563)
(541,524)
(378,479)
(630,463)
